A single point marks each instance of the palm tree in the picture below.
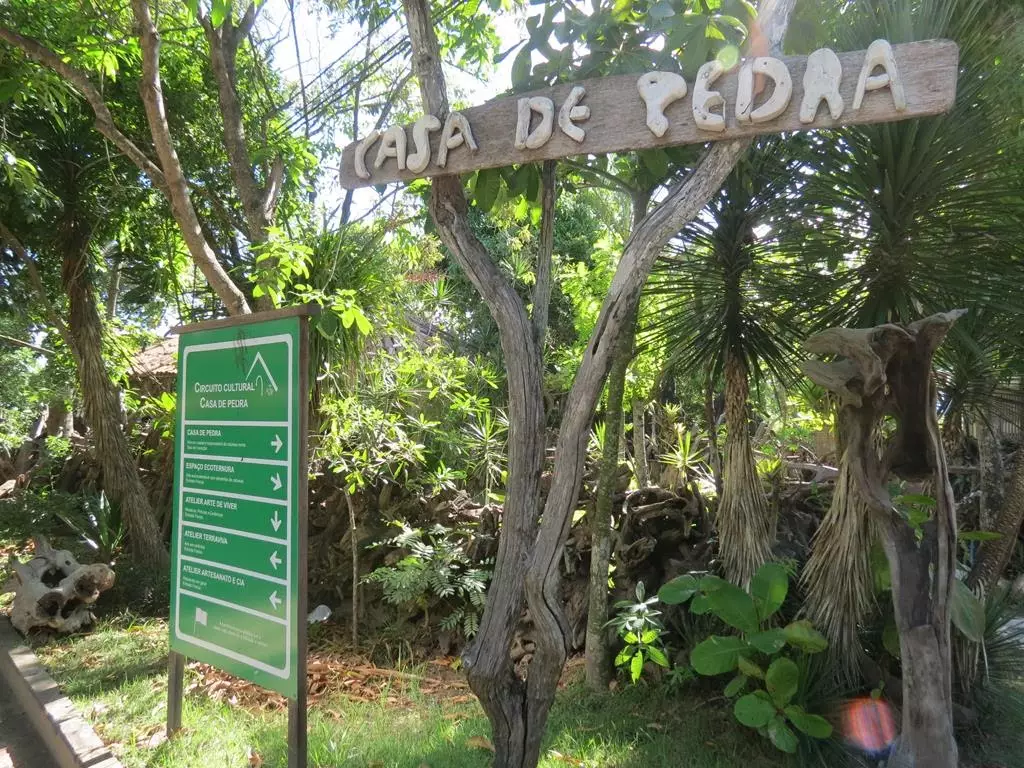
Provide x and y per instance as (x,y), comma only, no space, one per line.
(908,219)
(718,302)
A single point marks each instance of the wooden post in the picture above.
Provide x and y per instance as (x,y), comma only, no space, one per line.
(175,683)
(297,730)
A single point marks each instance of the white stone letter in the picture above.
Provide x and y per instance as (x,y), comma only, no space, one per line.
(538,137)
(880,54)
(418,160)
(704,100)
(821,81)
(658,90)
(361,150)
(777,102)
(456,131)
(571,112)
(392,144)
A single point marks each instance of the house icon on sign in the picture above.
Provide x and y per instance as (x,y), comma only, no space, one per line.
(267,384)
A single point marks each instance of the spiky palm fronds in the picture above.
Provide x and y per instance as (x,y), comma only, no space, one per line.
(718,303)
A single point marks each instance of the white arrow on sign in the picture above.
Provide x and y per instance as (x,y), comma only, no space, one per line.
(274,599)
(277,442)
(275,560)
(276,480)
(275,520)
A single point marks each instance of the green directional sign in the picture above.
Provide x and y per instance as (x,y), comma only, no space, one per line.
(237,535)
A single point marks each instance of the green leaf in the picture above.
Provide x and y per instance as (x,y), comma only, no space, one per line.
(814,726)
(649,636)
(716,655)
(967,612)
(782,735)
(781,680)
(754,710)
(521,66)
(661,10)
(768,642)
(749,668)
(768,588)
(363,324)
(802,634)
(636,667)
(731,604)
(631,638)
(658,656)
(624,656)
(735,685)
(488,184)
(678,590)
(700,605)
(219,11)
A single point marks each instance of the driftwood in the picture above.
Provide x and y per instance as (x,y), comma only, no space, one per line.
(54,590)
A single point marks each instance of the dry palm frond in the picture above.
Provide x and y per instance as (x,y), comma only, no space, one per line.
(838,578)
(746,529)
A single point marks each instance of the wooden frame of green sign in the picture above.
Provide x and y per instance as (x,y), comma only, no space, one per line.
(295,468)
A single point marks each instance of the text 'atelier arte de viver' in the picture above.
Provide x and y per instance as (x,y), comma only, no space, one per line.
(761,92)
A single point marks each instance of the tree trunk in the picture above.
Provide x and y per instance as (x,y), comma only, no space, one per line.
(103,406)
(643,475)
(598,664)
(744,522)
(994,555)
(990,471)
(714,455)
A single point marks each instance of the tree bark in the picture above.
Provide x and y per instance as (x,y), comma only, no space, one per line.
(994,555)
(745,528)
(518,712)
(641,468)
(102,403)
(598,663)
(542,286)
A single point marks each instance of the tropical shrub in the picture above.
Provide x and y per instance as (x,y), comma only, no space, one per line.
(760,655)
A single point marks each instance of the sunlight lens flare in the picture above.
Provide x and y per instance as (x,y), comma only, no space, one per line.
(869,725)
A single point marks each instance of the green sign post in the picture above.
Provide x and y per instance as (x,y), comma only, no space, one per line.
(238,544)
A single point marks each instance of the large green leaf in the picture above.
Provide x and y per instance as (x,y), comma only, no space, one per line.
(488,184)
(782,735)
(755,710)
(768,642)
(749,668)
(768,588)
(802,634)
(716,655)
(678,590)
(735,685)
(782,680)
(815,726)
(967,612)
(730,603)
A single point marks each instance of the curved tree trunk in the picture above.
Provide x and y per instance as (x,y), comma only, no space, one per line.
(995,554)
(102,404)
(745,528)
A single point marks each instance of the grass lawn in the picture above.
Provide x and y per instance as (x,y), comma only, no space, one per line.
(117,676)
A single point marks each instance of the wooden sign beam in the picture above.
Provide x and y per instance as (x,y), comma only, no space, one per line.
(661,109)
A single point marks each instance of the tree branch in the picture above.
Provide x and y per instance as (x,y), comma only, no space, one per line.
(25,344)
(177,187)
(80,80)
(542,287)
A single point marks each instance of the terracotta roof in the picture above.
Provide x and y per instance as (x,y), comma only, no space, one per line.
(161,359)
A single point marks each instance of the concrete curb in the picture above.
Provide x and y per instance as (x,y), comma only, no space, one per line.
(69,738)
